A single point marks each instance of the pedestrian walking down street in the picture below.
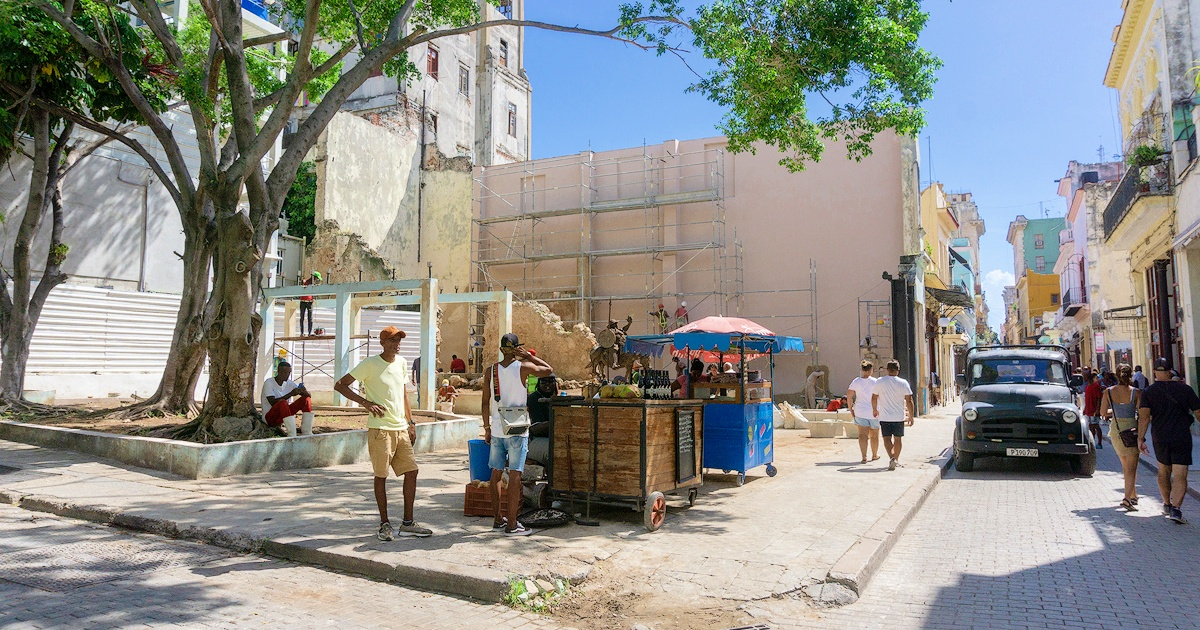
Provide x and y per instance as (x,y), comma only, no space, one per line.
(505,398)
(1139,379)
(390,431)
(1091,406)
(1167,410)
(859,397)
(1120,407)
(892,405)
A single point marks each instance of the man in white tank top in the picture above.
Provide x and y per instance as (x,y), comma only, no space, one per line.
(504,386)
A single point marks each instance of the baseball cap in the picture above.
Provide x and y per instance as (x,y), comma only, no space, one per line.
(1161,365)
(317,275)
(389,332)
(510,340)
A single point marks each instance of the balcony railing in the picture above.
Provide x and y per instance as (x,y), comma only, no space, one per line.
(1137,182)
(257,7)
(1075,295)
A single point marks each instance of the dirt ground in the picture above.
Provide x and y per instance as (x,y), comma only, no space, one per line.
(81,414)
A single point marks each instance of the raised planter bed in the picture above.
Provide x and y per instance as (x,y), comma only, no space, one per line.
(204,461)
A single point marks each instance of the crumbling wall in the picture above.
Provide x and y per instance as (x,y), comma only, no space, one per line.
(341,256)
(567,350)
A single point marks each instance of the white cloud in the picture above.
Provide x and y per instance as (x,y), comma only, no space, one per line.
(997,279)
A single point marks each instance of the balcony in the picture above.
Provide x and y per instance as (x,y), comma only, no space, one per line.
(1138,184)
(1073,301)
(257,7)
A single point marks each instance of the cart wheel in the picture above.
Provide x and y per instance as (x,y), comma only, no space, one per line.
(692,497)
(725,470)
(772,470)
(655,511)
(741,479)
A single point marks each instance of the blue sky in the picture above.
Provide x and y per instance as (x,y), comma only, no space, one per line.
(1020,95)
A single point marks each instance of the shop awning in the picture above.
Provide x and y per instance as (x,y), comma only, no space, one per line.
(950,297)
(933,281)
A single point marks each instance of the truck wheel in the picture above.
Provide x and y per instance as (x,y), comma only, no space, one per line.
(1085,465)
(964,462)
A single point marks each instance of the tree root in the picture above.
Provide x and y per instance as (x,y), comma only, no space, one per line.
(200,430)
(18,408)
(150,408)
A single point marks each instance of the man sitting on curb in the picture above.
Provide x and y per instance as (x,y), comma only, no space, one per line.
(277,410)
(390,433)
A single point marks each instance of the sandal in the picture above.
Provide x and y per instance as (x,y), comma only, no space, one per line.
(864,460)
(1129,505)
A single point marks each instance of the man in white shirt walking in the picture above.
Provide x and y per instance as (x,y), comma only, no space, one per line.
(892,405)
(859,395)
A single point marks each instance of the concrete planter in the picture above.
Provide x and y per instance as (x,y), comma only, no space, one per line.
(824,429)
(203,461)
(851,429)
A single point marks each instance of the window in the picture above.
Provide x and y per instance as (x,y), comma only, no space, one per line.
(433,123)
(512,120)
(431,63)
(1041,264)
(1039,241)
(505,8)
(504,53)
(1054,298)
(464,81)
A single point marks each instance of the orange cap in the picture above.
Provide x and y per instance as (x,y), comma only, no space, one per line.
(389,332)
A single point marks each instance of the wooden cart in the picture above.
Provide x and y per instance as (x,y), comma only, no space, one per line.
(627,452)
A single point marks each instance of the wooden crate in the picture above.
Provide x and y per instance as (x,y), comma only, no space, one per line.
(478,501)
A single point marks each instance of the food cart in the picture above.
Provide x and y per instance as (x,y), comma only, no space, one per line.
(626,452)
(738,413)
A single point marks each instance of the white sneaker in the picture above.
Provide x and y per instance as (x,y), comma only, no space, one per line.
(385,532)
(892,465)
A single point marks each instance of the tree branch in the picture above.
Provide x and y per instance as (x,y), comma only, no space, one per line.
(267,39)
(184,191)
(274,97)
(547,26)
(124,139)
(152,15)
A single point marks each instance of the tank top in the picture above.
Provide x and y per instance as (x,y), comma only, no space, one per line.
(1124,411)
(512,393)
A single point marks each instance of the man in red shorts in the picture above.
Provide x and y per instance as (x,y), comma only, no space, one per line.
(277,410)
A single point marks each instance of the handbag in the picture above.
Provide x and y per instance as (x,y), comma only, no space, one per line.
(1128,436)
(513,420)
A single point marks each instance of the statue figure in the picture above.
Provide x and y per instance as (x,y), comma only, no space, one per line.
(610,349)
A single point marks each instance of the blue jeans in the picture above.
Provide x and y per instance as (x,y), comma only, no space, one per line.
(508,452)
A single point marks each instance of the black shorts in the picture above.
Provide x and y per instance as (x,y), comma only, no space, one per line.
(1175,450)
(891,429)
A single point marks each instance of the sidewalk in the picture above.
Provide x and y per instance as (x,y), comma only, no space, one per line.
(824,519)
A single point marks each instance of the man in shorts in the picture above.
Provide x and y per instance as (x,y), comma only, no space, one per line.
(892,405)
(390,432)
(859,398)
(504,385)
(1167,410)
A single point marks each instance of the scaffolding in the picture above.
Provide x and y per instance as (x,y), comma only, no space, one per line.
(599,239)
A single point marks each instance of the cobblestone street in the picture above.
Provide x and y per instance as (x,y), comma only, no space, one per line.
(62,573)
(1024,544)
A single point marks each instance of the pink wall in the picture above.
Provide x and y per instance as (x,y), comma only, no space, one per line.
(845,215)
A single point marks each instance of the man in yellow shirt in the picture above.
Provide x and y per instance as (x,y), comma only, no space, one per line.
(390,432)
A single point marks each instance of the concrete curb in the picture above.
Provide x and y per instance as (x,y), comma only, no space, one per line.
(423,573)
(859,564)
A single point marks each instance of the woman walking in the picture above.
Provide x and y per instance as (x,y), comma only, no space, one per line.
(1120,406)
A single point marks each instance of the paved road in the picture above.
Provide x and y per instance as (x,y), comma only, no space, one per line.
(1024,544)
(62,573)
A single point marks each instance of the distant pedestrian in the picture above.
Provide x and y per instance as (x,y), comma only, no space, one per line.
(390,431)
(1091,406)
(892,405)
(935,391)
(836,403)
(859,398)
(505,397)
(1139,380)
(457,365)
(306,303)
(1167,410)
(1120,407)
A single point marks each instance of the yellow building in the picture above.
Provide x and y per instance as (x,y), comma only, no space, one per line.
(1151,67)
(1039,294)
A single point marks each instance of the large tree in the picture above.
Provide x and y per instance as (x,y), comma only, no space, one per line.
(43,73)
(860,58)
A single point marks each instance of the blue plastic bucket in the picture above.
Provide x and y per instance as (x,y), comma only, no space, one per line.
(477,452)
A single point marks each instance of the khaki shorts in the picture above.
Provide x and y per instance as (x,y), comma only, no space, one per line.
(390,449)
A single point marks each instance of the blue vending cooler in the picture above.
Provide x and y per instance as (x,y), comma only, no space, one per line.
(739,437)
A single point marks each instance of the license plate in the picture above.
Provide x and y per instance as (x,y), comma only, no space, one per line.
(1022,452)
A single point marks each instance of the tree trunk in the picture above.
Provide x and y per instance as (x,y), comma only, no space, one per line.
(234,325)
(15,328)
(185,362)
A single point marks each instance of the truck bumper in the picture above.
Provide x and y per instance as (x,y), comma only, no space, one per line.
(1000,449)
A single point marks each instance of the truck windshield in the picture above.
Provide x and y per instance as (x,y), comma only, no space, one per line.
(1017,371)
